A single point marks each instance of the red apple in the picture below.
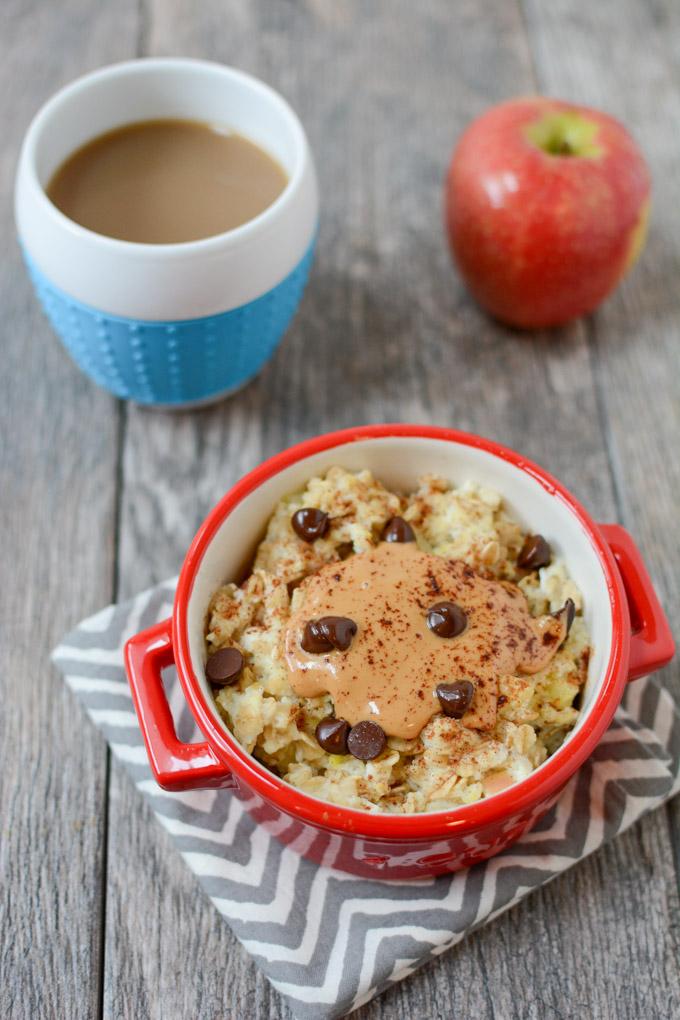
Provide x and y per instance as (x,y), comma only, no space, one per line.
(546,209)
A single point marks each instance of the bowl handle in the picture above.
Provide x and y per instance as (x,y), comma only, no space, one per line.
(651,644)
(175,765)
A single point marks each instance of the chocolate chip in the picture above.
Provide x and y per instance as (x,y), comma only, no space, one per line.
(313,640)
(366,740)
(224,667)
(310,523)
(327,633)
(534,553)
(455,699)
(331,734)
(566,613)
(446,619)
(397,530)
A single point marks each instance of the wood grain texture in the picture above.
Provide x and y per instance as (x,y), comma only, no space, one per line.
(57,540)
(385,332)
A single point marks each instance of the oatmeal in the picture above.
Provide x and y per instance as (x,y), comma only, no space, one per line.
(398,653)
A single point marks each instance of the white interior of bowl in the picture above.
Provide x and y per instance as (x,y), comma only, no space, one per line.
(398,462)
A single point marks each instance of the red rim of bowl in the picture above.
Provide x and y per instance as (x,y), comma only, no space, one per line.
(527,793)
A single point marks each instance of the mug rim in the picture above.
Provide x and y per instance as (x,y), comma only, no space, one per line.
(206,245)
(536,788)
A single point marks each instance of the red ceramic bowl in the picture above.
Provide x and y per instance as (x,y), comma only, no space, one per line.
(629,633)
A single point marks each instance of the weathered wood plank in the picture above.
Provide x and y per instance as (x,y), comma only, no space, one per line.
(383,92)
(57,522)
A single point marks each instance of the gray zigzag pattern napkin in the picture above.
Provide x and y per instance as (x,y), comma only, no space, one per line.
(326,940)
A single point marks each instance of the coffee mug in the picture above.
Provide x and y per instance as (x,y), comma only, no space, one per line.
(168,324)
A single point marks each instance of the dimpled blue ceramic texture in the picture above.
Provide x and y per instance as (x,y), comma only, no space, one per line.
(170,363)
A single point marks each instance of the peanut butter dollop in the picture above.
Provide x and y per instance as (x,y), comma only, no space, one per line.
(389,673)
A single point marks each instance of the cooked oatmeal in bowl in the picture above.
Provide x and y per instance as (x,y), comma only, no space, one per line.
(398,652)
(432,619)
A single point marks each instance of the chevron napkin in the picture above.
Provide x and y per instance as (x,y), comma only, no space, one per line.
(326,940)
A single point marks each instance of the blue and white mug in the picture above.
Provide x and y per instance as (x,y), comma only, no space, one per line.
(168,324)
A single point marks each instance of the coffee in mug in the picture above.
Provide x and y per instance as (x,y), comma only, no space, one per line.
(166,182)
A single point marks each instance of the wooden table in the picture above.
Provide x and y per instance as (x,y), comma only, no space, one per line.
(98,916)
